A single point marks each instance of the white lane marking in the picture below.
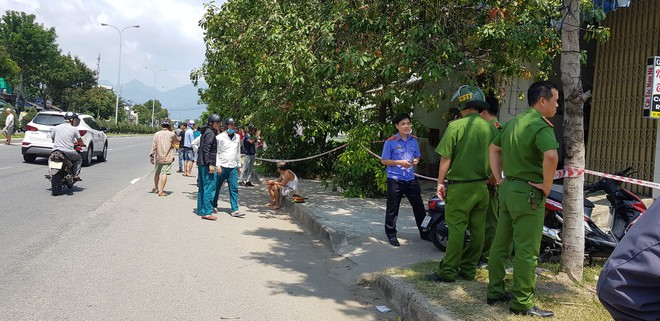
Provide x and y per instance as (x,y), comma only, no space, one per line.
(3,168)
(135,181)
(109,149)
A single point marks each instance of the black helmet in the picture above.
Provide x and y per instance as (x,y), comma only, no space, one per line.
(70,115)
(214,118)
(229,121)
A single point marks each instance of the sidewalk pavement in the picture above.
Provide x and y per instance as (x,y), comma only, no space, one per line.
(354,229)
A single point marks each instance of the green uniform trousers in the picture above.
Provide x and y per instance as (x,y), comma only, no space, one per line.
(521,223)
(465,209)
(491,220)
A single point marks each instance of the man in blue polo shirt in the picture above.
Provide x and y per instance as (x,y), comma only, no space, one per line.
(400,155)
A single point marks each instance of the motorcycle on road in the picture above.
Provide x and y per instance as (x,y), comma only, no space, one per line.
(60,171)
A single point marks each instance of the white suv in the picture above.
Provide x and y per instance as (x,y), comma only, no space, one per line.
(37,141)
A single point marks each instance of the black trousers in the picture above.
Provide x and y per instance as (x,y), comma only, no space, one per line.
(396,189)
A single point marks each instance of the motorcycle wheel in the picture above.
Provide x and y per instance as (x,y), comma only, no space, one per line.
(56,183)
(439,235)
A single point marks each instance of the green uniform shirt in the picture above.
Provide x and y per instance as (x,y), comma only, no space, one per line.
(496,124)
(523,141)
(466,142)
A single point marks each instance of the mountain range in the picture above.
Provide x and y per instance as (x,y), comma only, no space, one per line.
(181,102)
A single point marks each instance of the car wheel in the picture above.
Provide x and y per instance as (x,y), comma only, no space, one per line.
(104,155)
(87,159)
(29,158)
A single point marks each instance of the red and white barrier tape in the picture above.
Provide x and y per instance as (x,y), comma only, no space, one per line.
(577,172)
(270,160)
(567,172)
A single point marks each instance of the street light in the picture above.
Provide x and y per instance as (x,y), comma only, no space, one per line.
(119,68)
(153,101)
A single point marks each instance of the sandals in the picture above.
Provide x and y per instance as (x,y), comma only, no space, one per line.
(210,217)
(237,214)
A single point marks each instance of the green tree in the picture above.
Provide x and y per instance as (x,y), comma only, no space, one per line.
(144,112)
(96,101)
(348,65)
(64,77)
(31,45)
(9,70)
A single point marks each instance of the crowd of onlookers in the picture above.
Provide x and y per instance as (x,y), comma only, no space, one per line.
(224,155)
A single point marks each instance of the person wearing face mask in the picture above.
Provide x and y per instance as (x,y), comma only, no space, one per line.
(228,162)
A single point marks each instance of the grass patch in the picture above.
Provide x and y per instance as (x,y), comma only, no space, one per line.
(554,291)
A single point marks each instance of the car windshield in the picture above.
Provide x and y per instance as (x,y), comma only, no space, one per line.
(48,119)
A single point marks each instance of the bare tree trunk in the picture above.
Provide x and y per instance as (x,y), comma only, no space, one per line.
(572,261)
(382,110)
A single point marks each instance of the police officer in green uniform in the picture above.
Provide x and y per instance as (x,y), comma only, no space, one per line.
(527,152)
(492,213)
(464,163)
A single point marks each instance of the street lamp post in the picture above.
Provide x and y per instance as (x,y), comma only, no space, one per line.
(118,92)
(153,101)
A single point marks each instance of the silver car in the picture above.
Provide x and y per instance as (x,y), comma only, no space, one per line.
(38,143)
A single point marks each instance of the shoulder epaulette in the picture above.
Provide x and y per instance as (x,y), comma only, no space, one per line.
(497,125)
(413,136)
(393,137)
(548,122)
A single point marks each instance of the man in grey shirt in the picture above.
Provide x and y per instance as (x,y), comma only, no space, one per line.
(64,136)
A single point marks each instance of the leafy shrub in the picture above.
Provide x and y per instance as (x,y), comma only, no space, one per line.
(357,172)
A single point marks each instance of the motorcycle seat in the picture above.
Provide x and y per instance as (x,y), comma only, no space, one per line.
(559,197)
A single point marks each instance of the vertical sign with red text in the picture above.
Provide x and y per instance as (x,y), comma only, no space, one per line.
(652,89)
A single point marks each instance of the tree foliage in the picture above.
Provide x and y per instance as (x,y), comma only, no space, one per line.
(144,112)
(8,67)
(349,66)
(31,45)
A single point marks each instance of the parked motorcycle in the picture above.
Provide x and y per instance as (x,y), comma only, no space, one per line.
(625,209)
(60,171)
(435,224)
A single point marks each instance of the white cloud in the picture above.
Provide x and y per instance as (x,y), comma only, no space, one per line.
(169,36)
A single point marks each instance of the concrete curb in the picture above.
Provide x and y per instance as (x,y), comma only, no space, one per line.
(334,239)
(406,300)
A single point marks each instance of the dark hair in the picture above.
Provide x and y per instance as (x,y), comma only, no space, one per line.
(281,166)
(493,105)
(540,89)
(399,118)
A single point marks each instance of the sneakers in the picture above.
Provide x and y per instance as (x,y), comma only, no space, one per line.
(241,183)
(249,184)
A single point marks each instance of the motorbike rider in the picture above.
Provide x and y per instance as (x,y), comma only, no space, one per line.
(64,136)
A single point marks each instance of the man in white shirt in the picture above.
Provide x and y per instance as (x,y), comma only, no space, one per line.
(64,137)
(8,130)
(228,163)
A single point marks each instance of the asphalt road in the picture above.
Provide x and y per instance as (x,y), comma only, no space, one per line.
(111,250)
